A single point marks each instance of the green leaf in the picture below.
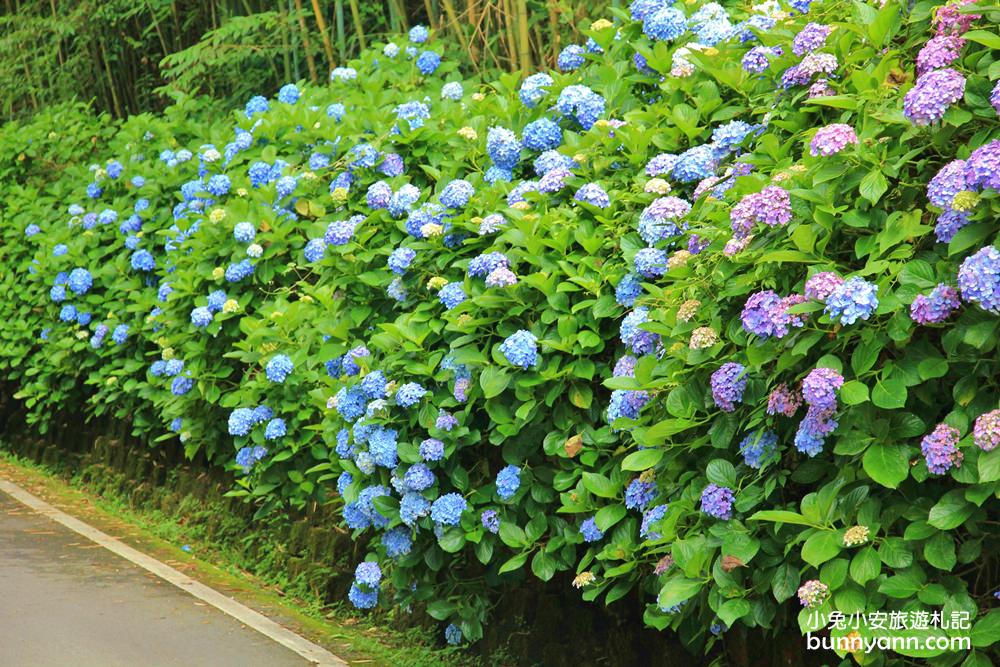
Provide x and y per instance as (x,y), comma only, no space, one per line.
(543,565)
(642,459)
(731,610)
(514,563)
(452,540)
(493,380)
(821,547)
(512,535)
(781,516)
(607,517)
(951,511)
(599,485)
(854,392)
(989,466)
(889,393)
(894,552)
(984,37)
(887,464)
(986,630)
(721,472)
(939,551)
(785,582)
(873,186)
(865,566)
(677,589)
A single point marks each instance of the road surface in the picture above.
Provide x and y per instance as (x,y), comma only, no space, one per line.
(67,601)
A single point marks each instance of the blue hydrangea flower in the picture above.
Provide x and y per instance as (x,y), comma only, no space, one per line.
(315,250)
(453,634)
(534,89)
(447,510)
(581,103)
(717,501)
(590,531)
(238,271)
(853,299)
(275,429)
(289,93)
(570,58)
(759,448)
(279,368)
(359,597)
(413,506)
(508,481)
(979,279)
(521,349)
(397,542)
(650,517)
(456,194)
(638,494)
(79,281)
(244,232)
(666,23)
(452,91)
(201,317)
(418,34)
(240,421)
(542,135)
(432,449)
(428,62)
(695,164)
(451,295)
(120,334)
(650,262)
(409,394)
(383,447)
(490,520)
(419,477)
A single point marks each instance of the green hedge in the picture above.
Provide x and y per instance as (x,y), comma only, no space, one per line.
(611,357)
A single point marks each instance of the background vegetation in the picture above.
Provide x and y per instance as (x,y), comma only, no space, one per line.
(130,56)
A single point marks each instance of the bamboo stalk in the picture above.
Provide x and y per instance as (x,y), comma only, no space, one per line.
(286,50)
(509,31)
(431,18)
(111,80)
(524,36)
(310,62)
(401,13)
(470,9)
(324,35)
(553,8)
(341,39)
(449,8)
(356,15)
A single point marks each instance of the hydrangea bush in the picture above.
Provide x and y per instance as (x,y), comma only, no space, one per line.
(709,312)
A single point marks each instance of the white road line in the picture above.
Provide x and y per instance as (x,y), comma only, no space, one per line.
(262,624)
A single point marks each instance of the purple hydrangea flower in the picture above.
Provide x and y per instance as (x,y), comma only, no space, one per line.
(979,279)
(771,206)
(728,384)
(717,501)
(832,139)
(936,307)
(820,285)
(783,401)
(933,93)
(811,37)
(986,432)
(940,449)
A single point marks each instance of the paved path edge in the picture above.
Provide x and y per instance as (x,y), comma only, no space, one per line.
(262,624)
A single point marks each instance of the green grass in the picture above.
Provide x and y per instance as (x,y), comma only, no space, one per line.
(184,545)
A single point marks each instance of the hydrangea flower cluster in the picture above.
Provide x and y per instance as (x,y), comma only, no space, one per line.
(717,501)
(852,300)
(728,384)
(940,449)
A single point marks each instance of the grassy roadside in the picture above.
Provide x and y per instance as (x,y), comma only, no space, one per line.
(356,639)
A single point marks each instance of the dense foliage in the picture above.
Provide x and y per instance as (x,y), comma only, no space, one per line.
(127,57)
(710,313)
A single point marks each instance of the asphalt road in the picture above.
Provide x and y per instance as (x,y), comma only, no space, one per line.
(65,601)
